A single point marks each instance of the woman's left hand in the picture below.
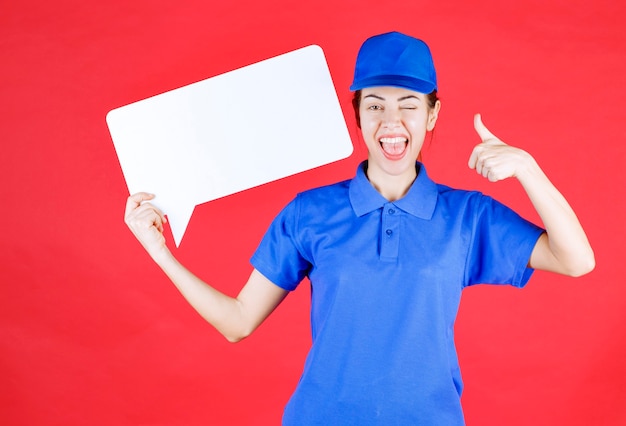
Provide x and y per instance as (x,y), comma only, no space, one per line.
(494,159)
(564,248)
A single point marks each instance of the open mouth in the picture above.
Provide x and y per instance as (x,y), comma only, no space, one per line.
(394,147)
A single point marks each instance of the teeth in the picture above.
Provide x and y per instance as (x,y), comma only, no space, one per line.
(393,146)
(393,140)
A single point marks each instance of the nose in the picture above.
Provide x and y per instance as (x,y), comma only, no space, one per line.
(391,118)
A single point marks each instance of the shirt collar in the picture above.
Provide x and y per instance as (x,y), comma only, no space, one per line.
(419,201)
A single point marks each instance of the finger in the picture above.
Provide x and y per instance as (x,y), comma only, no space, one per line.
(485,170)
(156,219)
(148,208)
(481,159)
(473,160)
(145,219)
(138,200)
(482,130)
(135,201)
(156,210)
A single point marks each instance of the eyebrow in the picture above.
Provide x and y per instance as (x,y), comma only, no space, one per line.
(403,98)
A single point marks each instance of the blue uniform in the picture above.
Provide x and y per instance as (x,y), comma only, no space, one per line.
(386,281)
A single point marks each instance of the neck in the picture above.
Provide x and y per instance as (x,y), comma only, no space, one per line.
(392,187)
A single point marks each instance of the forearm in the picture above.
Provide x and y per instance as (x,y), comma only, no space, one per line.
(569,250)
(220,310)
(564,248)
(236,317)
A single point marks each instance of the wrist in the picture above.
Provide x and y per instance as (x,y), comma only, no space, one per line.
(161,255)
(529,168)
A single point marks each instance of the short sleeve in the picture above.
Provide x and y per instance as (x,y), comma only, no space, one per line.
(278,257)
(501,245)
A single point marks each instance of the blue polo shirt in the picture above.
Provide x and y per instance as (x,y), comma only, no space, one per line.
(386,280)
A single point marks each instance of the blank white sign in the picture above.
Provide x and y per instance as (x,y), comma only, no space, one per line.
(231,132)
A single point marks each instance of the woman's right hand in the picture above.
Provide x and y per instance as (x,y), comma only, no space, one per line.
(146,222)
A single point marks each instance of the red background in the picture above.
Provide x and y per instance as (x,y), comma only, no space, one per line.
(92,333)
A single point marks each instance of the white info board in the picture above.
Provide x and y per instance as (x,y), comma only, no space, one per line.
(228,133)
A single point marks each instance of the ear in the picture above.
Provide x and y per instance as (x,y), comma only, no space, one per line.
(432,116)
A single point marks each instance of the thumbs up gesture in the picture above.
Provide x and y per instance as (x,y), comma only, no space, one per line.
(495,160)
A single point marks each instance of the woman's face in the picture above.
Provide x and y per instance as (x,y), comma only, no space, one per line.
(394,122)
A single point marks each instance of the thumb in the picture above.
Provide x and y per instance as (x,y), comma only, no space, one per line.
(482,130)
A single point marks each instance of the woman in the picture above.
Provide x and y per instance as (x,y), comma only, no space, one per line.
(388,254)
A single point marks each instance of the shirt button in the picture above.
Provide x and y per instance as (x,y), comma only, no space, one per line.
(391,211)
(389,232)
